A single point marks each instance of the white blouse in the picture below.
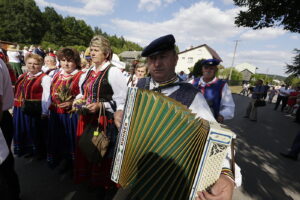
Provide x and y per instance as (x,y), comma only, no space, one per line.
(117,81)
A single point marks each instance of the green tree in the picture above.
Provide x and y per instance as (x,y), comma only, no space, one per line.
(197,69)
(295,82)
(235,76)
(54,24)
(21,21)
(98,31)
(76,32)
(294,69)
(265,78)
(269,13)
(289,79)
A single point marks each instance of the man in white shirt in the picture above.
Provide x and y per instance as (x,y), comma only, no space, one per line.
(9,183)
(215,91)
(161,60)
(284,93)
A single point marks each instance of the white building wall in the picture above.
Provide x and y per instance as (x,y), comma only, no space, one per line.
(189,58)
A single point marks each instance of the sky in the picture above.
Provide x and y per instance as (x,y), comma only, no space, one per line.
(192,23)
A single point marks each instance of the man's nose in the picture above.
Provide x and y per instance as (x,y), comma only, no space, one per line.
(156,62)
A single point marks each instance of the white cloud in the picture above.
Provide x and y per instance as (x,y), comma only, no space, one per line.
(263,34)
(271,62)
(271,46)
(201,23)
(151,5)
(90,7)
(227,2)
(295,37)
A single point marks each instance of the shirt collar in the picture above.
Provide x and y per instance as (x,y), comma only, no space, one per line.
(103,67)
(73,73)
(203,83)
(37,74)
(156,84)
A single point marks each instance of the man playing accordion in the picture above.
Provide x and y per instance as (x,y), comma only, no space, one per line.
(161,60)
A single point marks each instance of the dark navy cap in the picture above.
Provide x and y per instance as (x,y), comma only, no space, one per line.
(161,44)
(211,62)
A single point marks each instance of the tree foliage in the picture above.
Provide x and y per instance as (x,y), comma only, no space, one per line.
(23,22)
(264,77)
(295,82)
(54,24)
(294,69)
(197,69)
(76,32)
(235,75)
(269,13)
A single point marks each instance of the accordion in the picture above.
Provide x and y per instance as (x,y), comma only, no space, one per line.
(164,151)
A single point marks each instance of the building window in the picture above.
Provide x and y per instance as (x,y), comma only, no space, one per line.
(190,59)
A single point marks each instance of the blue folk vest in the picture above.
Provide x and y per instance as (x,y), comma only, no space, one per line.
(212,93)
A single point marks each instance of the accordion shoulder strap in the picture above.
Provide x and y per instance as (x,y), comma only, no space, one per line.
(185,94)
(144,83)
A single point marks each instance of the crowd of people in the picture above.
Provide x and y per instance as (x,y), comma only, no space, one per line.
(58,98)
(287,96)
(289,99)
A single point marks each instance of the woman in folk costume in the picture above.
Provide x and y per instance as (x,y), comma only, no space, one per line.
(102,85)
(31,108)
(50,65)
(15,59)
(62,123)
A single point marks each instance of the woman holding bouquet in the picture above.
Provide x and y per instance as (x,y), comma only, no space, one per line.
(103,87)
(31,108)
(63,123)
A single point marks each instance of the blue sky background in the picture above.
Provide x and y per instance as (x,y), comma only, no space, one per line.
(192,22)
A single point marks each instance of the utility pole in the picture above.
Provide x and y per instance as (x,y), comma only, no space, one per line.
(266,73)
(236,43)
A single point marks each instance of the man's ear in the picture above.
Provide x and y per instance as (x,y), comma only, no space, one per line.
(176,57)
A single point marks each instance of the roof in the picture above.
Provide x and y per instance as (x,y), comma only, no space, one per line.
(245,70)
(130,54)
(210,50)
(242,66)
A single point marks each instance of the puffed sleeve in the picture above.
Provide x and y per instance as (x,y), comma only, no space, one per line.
(46,84)
(118,83)
(201,108)
(81,80)
(227,105)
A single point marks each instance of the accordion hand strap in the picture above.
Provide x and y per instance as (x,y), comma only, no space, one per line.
(232,158)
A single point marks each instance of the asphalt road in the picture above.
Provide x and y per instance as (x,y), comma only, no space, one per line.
(266,175)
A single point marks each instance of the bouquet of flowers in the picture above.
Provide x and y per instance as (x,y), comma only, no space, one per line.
(64,94)
(79,106)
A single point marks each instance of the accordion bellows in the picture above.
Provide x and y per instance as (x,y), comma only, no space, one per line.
(163,150)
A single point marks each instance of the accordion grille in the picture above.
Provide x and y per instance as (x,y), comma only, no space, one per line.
(163,150)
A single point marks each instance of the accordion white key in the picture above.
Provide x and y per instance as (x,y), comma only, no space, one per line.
(164,151)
